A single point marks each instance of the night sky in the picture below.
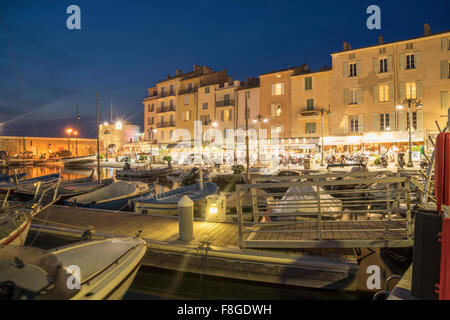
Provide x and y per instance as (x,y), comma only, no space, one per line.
(124,47)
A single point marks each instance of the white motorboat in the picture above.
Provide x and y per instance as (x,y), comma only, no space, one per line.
(79,161)
(71,272)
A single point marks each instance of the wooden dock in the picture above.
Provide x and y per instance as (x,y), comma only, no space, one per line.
(214,251)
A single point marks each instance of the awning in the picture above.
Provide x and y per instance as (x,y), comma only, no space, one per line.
(374,137)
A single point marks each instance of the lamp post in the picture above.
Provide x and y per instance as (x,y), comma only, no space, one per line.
(151,131)
(106,132)
(418,104)
(75,133)
(69,131)
(322,111)
(258,120)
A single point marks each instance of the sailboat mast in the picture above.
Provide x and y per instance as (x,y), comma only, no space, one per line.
(98,144)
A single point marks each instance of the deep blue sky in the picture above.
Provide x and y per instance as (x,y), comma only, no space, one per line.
(124,47)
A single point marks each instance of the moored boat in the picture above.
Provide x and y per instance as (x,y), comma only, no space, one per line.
(144,174)
(167,203)
(79,161)
(70,273)
(12,177)
(44,180)
(115,196)
(15,220)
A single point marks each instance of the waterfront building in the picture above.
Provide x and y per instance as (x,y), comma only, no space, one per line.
(368,84)
(114,136)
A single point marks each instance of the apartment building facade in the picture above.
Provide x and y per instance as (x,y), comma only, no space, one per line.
(369,87)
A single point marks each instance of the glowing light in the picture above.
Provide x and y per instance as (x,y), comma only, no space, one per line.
(119,125)
(214,124)
(69,131)
(399,107)
(266,120)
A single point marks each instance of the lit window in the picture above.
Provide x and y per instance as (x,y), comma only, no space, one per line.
(410,90)
(278,111)
(353,96)
(414,120)
(277,89)
(383,93)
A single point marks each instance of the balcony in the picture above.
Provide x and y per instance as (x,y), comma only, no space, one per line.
(189,90)
(224,103)
(308,112)
(167,94)
(165,124)
(166,109)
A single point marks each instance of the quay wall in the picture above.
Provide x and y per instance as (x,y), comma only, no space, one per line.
(42,145)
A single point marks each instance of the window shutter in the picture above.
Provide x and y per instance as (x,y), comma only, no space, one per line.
(346,96)
(419,116)
(230,115)
(444,44)
(282,88)
(444,100)
(419,88)
(358,68)
(345,70)
(418,59)
(402,121)
(402,61)
(391,92)
(390,58)
(345,124)
(360,96)
(376,98)
(272,110)
(182,116)
(273,89)
(444,69)
(402,91)
(375,65)
(376,122)
(360,122)
(222,115)
(392,122)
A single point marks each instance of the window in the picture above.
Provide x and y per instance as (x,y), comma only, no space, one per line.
(148,121)
(278,111)
(207,90)
(171,134)
(277,89)
(308,83)
(414,120)
(277,128)
(310,104)
(409,46)
(153,107)
(171,89)
(186,99)
(384,121)
(248,94)
(310,128)
(382,50)
(205,106)
(353,123)
(353,96)
(149,108)
(275,110)
(162,91)
(226,98)
(351,56)
(352,70)
(186,115)
(171,103)
(411,92)
(153,120)
(383,65)
(410,62)
(226,115)
(383,93)
(162,134)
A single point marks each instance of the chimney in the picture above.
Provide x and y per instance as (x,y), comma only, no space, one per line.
(197,68)
(168,76)
(380,39)
(179,72)
(427,30)
(347,46)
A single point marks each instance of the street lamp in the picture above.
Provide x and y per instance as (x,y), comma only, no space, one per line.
(106,132)
(418,104)
(69,131)
(258,120)
(151,131)
(322,111)
(75,133)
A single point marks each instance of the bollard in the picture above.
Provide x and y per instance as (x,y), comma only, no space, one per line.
(185,219)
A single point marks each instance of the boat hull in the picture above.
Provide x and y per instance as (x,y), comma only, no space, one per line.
(79,161)
(18,236)
(117,204)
